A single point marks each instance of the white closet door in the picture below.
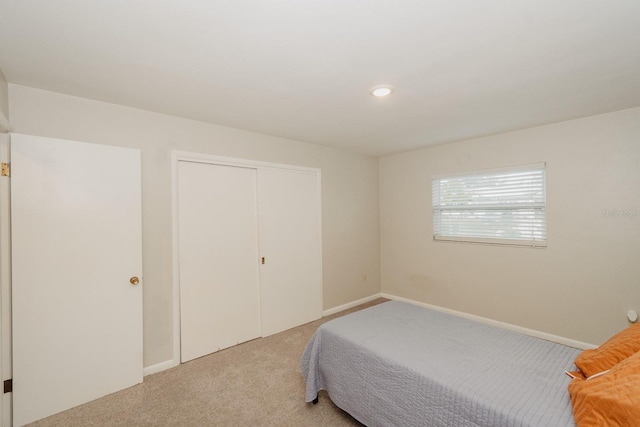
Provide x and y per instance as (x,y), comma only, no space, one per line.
(290,242)
(218,257)
(76,242)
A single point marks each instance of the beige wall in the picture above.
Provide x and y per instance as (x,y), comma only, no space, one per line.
(4,103)
(349,191)
(579,287)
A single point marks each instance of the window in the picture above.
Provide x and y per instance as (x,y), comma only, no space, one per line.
(506,206)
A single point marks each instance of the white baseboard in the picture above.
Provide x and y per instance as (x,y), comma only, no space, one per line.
(532,332)
(352,304)
(167,364)
(153,369)
(158,367)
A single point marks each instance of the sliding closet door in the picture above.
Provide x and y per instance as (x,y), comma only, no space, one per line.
(218,257)
(290,242)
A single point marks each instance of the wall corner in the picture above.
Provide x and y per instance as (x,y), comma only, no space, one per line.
(4,104)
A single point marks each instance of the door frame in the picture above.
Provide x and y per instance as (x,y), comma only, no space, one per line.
(6,408)
(185,156)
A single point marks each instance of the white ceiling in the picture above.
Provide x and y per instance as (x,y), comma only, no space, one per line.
(301,69)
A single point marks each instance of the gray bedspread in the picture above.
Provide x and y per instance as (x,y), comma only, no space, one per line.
(399,364)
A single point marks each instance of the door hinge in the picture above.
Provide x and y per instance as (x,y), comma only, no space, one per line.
(8,386)
(6,169)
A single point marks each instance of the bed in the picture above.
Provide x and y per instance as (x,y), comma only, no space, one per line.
(400,364)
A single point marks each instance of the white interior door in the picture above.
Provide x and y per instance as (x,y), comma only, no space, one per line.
(290,241)
(76,242)
(218,257)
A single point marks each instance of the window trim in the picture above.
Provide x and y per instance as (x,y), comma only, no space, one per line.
(533,243)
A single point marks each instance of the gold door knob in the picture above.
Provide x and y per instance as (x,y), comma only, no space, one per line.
(134,280)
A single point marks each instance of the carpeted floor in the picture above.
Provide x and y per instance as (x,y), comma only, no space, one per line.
(258,383)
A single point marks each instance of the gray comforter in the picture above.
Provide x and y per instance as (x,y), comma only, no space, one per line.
(399,364)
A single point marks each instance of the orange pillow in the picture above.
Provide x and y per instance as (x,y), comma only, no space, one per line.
(616,349)
(609,399)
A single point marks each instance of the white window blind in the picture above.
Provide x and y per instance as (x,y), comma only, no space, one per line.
(506,206)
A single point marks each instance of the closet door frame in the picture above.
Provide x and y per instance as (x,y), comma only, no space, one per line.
(185,156)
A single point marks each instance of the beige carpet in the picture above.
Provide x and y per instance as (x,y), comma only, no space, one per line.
(258,383)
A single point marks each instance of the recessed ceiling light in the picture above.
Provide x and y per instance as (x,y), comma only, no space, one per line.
(381,90)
